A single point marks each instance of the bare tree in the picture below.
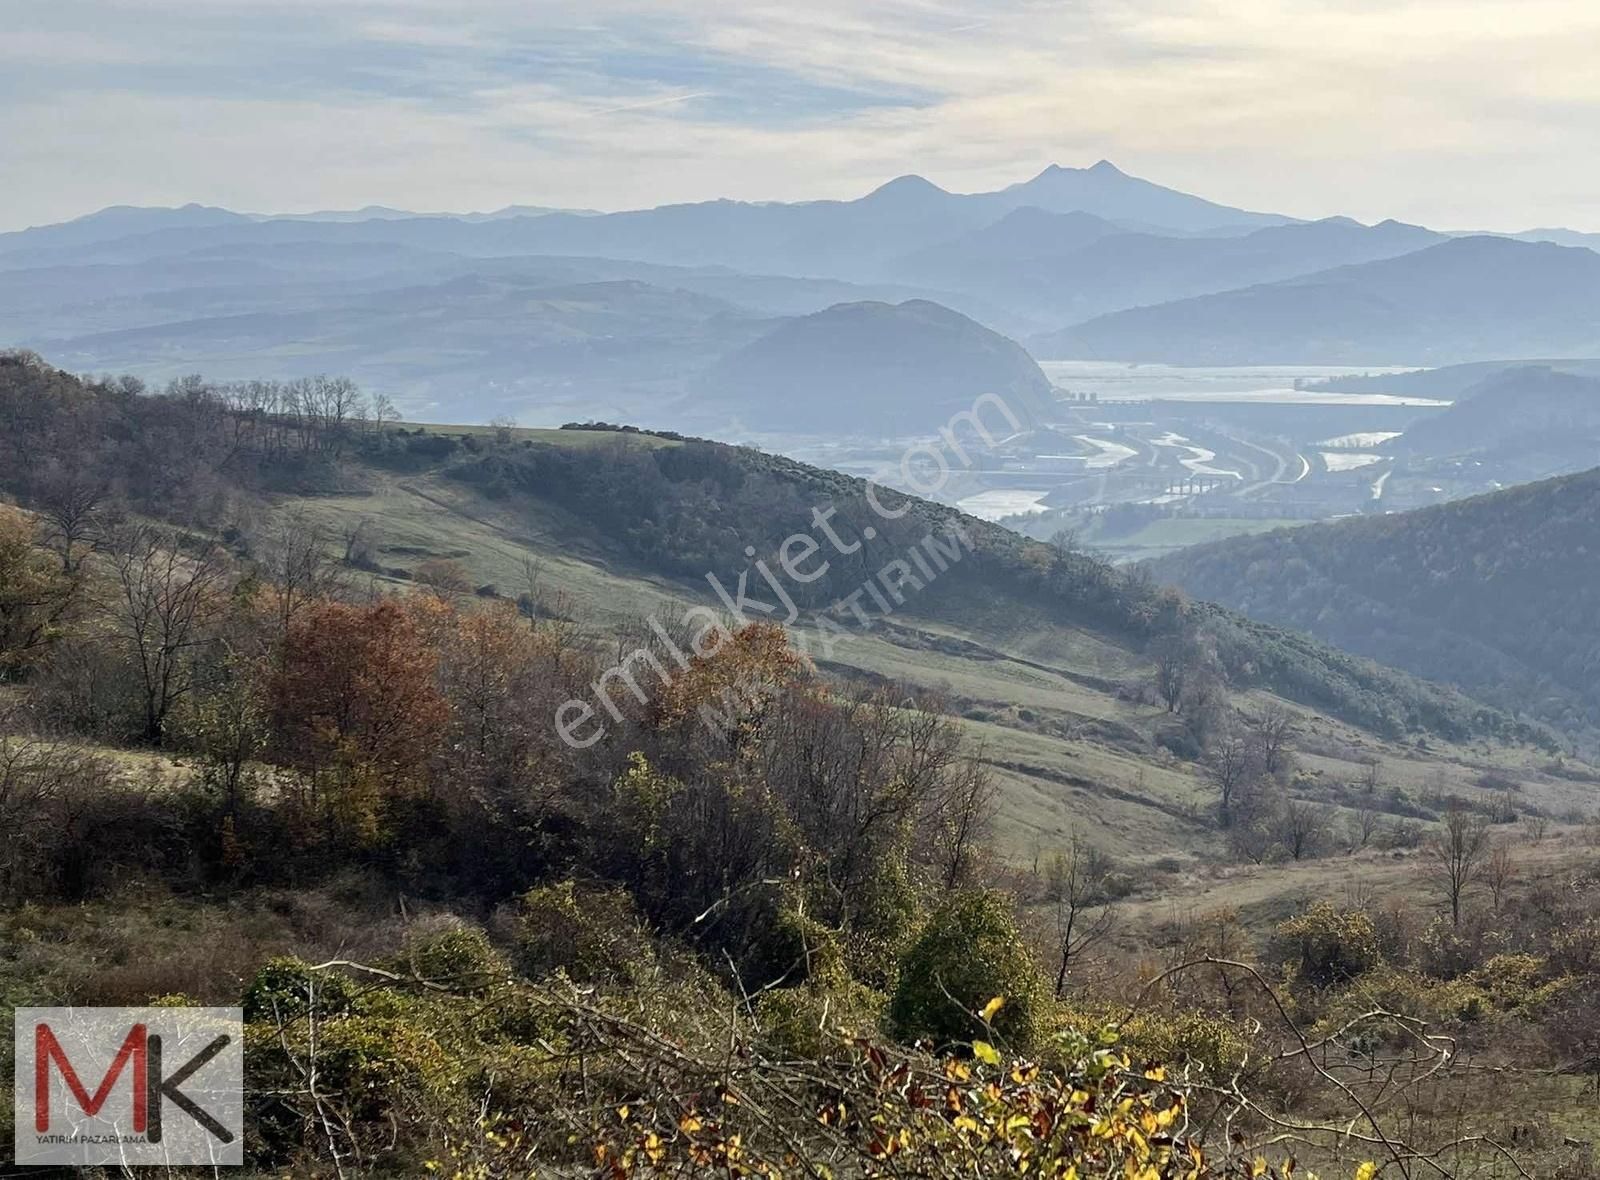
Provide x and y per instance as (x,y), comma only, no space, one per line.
(1232,767)
(967,816)
(1455,853)
(358,544)
(1177,657)
(1271,732)
(528,602)
(296,560)
(1500,871)
(1300,827)
(446,578)
(1084,911)
(1066,544)
(169,589)
(383,411)
(70,503)
(1252,840)
(36,598)
(1363,825)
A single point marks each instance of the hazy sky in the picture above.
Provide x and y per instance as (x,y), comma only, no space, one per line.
(1457,114)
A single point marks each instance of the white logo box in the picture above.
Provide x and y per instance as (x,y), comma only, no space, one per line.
(132,1087)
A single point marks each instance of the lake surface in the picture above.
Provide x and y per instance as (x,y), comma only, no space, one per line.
(1000,503)
(1118,381)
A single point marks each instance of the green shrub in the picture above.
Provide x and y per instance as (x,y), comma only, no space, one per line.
(378,1075)
(815,1019)
(1326,947)
(796,947)
(1215,1043)
(283,990)
(969,952)
(458,956)
(593,935)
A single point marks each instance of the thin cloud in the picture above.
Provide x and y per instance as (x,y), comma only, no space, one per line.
(1452,112)
(648,103)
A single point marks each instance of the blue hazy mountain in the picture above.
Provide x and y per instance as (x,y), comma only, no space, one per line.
(875,369)
(1473,298)
(1072,266)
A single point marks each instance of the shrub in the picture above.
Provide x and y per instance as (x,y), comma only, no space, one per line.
(457,955)
(1448,951)
(1515,982)
(1215,1043)
(1407,993)
(594,935)
(378,1075)
(816,1019)
(969,952)
(285,988)
(796,946)
(1327,946)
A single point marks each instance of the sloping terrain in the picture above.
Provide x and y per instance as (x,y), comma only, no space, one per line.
(1071,266)
(1045,653)
(1530,409)
(1497,594)
(1056,696)
(1461,300)
(876,370)
(1449,381)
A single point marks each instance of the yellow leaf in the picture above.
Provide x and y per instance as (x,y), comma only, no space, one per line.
(993,1006)
(985,1052)
(1367,1171)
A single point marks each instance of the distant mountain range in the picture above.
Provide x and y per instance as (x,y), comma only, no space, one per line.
(1070,266)
(1498,595)
(542,312)
(385,213)
(829,238)
(1462,299)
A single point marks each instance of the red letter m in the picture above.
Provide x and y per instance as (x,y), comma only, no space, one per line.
(47,1049)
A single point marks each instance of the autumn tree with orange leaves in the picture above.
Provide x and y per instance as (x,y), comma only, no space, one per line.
(357,706)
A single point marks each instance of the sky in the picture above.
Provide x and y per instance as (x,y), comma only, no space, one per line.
(1453,114)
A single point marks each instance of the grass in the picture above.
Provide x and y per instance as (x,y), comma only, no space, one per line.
(1069,751)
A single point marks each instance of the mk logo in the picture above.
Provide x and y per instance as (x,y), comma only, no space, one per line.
(188,1114)
(149,1087)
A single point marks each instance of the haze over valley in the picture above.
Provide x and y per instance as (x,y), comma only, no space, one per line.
(1174,364)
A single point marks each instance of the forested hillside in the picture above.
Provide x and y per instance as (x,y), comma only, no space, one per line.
(1496,594)
(867,368)
(1531,410)
(286,695)
(198,456)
